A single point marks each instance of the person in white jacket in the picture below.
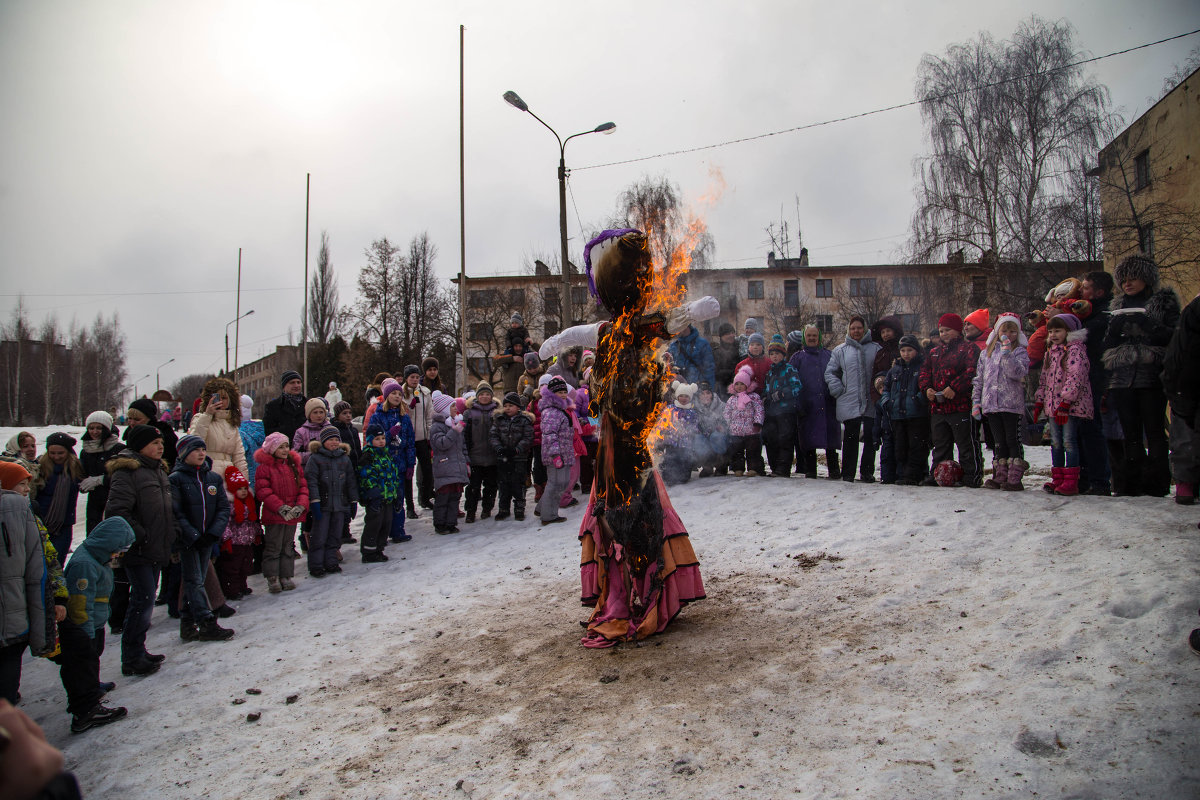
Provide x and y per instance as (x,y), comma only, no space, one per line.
(218,426)
(334,395)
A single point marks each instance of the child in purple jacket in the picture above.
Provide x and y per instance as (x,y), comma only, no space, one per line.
(998,399)
(558,447)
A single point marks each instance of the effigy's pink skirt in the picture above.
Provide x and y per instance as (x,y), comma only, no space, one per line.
(602,571)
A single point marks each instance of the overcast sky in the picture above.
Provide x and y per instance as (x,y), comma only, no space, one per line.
(141,144)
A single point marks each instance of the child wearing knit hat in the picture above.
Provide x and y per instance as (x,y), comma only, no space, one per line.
(1066,393)
(449,463)
(379,487)
(782,403)
(908,411)
(282,489)
(745,414)
(242,532)
(316,417)
(333,490)
(946,379)
(511,439)
(680,427)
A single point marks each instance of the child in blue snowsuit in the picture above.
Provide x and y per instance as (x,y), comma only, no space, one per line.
(392,416)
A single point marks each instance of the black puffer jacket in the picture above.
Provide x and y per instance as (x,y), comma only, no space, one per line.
(1136,342)
(1181,365)
(511,438)
(138,491)
(94,456)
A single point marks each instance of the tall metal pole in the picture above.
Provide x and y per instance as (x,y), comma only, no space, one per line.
(562,232)
(462,217)
(304,339)
(237,325)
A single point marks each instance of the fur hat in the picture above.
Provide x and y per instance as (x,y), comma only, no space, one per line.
(62,440)
(532,361)
(724,328)
(1008,317)
(512,398)
(389,386)
(483,386)
(442,403)
(411,369)
(1139,266)
(12,473)
(313,404)
(145,407)
(908,340)
(745,376)
(950,320)
(288,376)
(103,417)
(1068,321)
(330,432)
(979,318)
(557,384)
(429,361)
(183,448)
(756,338)
(274,440)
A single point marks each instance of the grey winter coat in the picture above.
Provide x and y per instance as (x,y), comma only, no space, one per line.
(140,492)
(849,375)
(449,453)
(22,572)
(479,428)
(330,477)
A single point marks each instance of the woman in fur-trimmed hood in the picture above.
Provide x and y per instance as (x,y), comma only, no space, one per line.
(1143,321)
(217,424)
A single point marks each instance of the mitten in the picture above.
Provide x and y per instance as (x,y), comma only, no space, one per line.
(90,482)
(1062,413)
(414,402)
(558,462)
(227,546)
(977,412)
(1005,344)
(1037,411)
(316,510)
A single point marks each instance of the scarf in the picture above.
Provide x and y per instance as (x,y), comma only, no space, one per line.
(57,513)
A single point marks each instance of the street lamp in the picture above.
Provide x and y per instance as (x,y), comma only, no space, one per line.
(157,386)
(133,386)
(514,100)
(243,316)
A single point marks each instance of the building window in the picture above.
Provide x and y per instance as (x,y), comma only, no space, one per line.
(793,323)
(978,291)
(1141,170)
(1146,239)
(550,300)
(825,323)
(754,290)
(481,332)
(791,294)
(550,328)
(911,323)
(906,286)
(824,287)
(481,298)
(516,298)
(579,295)
(862,287)
(945,289)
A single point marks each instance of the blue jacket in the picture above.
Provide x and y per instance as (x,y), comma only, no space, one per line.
(902,396)
(782,392)
(200,503)
(692,357)
(403,446)
(253,435)
(89,577)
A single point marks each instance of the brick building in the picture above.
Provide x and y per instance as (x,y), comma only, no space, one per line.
(260,379)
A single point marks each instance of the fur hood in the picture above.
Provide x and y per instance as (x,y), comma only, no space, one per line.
(315,445)
(127,459)
(1077,336)
(214,385)
(499,412)
(261,456)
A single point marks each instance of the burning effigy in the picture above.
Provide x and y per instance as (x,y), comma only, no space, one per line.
(638,568)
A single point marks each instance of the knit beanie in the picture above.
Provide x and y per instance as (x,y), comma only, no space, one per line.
(373,430)
(1068,321)
(484,386)
(557,384)
(12,473)
(247,406)
(288,376)
(516,318)
(725,328)
(745,375)
(1008,316)
(950,320)
(757,338)
(545,379)
(460,405)
(512,398)
(442,403)
(234,479)
(752,324)
(145,407)
(796,338)
(979,318)
(339,407)
(389,386)
(184,447)
(411,369)
(102,417)
(274,440)
(62,440)
(777,347)
(313,404)
(909,340)
(330,432)
(532,361)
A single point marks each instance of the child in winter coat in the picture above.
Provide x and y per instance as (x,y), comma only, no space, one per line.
(680,425)
(589,430)
(81,634)
(1067,393)
(908,410)
(998,398)
(282,489)
(59,475)
(881,433)
(745,414)
(342,417)
(242,532)
(378,490)
(450,472)
(202,511)
(558,447)
(712,433)
(316,417)
(756,361)
(23,607)
(781,405)
(481,457)
(391,414)
(334,489)
(946,377)
(511,438)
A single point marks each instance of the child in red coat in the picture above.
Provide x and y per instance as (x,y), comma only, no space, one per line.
(242,532)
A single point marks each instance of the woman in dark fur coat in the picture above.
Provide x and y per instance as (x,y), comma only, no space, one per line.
(1143,321)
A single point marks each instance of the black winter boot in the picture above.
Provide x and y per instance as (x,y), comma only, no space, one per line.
(210,631)
(835,473)
(187,630)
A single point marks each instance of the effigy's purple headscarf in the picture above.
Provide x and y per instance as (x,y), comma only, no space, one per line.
(603,236)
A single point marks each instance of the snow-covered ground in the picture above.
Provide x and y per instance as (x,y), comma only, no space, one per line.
(953,643)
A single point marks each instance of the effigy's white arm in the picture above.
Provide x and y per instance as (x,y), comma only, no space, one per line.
(575,336)
(696,311)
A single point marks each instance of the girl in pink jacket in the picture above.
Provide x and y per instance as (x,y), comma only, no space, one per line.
(1065,394)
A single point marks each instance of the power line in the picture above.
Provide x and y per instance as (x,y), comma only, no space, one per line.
(895,107)
(149,294)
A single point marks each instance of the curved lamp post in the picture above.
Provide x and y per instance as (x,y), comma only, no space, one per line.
(227,324)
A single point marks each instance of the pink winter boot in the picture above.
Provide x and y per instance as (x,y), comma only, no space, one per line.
(1185,493)
(1055,480)
(1069,483)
